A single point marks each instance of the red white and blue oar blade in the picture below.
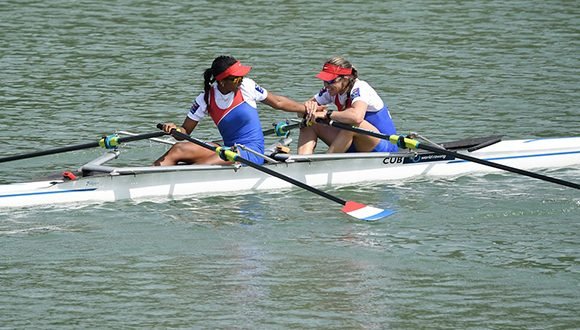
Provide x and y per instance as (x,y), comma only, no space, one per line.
(365,212)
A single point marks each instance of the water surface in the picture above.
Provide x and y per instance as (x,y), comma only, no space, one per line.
(496,251)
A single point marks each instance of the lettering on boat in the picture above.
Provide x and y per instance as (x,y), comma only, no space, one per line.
(90,183)
(423,158)
(393,160)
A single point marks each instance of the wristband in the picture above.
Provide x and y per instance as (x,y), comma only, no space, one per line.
(328,114)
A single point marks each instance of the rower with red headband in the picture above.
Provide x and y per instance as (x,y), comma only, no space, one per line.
(357,103)
(230,99)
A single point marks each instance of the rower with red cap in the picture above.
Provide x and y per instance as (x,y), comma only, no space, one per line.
(230,100)
(357,103)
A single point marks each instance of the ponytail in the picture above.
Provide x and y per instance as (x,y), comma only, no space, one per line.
(219,65)
(207,81)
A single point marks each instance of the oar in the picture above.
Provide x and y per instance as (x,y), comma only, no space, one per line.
(105,142)
(414,144)
(162,141)
(354,209)
(280,129)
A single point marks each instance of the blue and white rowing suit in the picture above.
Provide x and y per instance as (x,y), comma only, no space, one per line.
(377,111)
(235,115)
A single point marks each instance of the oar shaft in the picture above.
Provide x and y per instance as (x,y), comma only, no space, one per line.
(498,166)
(49,152)
(291,180)
(418,145)
(78,147)
(143,136)
(354,209)
(262,168)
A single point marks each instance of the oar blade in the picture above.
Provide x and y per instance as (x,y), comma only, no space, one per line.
(365,212)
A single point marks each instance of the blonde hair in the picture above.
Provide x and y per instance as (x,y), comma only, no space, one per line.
(344,63)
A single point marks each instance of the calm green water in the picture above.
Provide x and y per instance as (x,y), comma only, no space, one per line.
(485,252)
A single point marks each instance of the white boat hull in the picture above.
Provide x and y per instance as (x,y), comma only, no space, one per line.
(139,183)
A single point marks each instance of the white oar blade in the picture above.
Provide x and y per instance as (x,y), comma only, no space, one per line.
(365,212)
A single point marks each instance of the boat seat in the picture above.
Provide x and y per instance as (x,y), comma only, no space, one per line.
(279,147)
(281,157)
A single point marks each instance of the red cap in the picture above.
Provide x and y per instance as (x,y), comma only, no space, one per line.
(330,72)
(236,69)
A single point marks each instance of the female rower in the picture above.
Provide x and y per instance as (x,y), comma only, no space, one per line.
(357,103)
(230,100)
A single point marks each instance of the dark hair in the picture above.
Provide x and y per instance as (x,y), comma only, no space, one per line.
(219,65)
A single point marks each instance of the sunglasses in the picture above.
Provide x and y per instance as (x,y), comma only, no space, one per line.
(235,80)
(330,82)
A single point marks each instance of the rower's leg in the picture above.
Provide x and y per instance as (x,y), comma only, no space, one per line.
(341,142)
(362,143)
(365,143)
(307,140)
(309,136)
(187,152)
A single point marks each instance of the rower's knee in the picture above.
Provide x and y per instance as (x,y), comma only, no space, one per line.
(181,149)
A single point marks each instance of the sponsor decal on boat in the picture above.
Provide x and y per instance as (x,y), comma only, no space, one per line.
(91,183)
(427,158)
(416,159)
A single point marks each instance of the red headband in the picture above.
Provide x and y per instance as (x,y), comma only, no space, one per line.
(335,69)
(236,69)
(331,71)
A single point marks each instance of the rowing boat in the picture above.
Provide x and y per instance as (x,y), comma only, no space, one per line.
(98,181)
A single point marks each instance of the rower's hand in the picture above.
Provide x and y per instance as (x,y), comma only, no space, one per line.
(168,127)
(313,111)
